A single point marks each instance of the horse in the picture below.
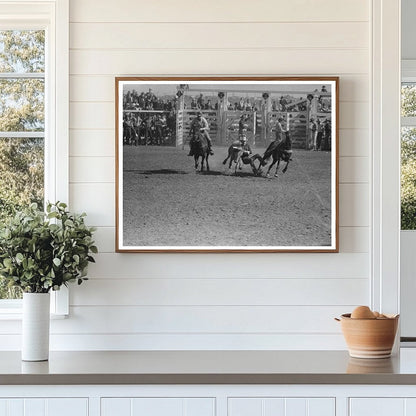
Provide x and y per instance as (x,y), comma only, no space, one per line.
(237,155)
(279,151)
(200,149)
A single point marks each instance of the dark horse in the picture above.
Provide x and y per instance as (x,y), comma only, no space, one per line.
(200,149)
(278,151)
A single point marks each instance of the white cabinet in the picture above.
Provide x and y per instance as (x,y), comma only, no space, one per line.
(44,407)
(382,406)
(208,400)
(270,406)
(146,406)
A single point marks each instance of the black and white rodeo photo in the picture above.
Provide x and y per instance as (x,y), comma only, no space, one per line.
(227,164)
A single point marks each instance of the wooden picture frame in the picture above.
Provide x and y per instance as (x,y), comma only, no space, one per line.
(165,204)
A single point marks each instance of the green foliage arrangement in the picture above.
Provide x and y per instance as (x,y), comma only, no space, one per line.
(43,251)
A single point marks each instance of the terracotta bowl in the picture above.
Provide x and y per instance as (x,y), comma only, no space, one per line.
(369,338)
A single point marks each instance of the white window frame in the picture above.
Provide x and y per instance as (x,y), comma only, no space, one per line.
(408,237)
(385,210)
(53,17)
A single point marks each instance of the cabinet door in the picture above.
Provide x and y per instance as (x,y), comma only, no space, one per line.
(44,407)
(377,407)
(252,406)
(160,406)
(382,406)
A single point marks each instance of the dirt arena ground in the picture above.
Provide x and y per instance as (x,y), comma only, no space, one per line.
(167,203)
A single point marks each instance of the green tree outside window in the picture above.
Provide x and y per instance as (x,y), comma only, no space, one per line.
(22,86)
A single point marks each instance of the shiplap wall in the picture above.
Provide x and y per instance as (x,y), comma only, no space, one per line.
(185,301)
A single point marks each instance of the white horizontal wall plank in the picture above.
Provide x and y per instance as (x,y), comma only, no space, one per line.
(217,35)
(94,143)
(354,115)
(218,11)
(354,142)
(267,265)
(221,291)
(166,341)
(354,169)
(92,88)
(352,239)
(219,62)
(198,319)
(92,115)
(89,169)
(105,238)
(354,205)
(101,88)
(285,341)
(96,199)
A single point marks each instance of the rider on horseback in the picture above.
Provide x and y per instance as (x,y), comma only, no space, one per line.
(199,124)
(279,139)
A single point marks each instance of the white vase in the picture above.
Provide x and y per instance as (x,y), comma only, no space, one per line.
(35,326)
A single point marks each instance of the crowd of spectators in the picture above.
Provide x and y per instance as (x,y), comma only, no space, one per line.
(132,100)
(142,129)
(151,120)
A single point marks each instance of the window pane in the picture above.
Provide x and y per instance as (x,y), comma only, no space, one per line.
(21,109)
(408,99)
(21,173)
(22,105)
(408,178)
(22,51)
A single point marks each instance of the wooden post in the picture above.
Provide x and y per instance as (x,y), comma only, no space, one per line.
(265,110)
(179,120)
(222,118)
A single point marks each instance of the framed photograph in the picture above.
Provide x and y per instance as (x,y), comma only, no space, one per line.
(227,164)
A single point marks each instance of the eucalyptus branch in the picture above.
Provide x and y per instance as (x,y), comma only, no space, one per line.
(43,251)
